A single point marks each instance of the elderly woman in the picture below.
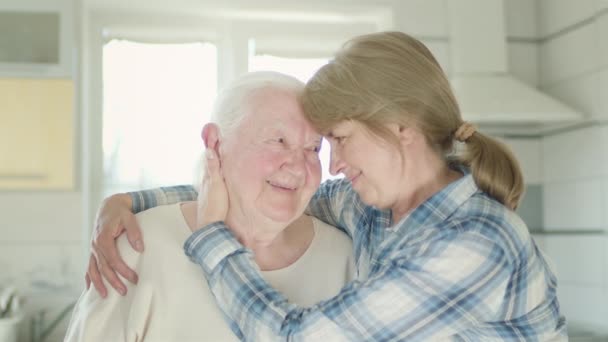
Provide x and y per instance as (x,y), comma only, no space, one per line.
(269,155)
(441,254)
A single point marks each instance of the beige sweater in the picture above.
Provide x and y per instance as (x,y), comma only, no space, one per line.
(172,301)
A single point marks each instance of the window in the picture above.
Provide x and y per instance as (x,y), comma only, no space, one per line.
(157,97)
(302,69)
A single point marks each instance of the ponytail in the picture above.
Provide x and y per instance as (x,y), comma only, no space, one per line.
(494,168)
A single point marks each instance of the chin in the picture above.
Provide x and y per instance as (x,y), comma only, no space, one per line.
(371,199)
(282,215)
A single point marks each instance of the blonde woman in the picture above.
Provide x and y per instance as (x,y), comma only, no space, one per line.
(441,255)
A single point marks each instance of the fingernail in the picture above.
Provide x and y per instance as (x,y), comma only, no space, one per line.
(139,246)
(122,291)
(209,154)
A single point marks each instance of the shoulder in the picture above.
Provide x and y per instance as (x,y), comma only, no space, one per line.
(162,222)
(331,237)
(485,217)
(162,227)
(159,214)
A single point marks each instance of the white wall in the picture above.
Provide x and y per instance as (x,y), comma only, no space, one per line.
(574,66)
(41,246)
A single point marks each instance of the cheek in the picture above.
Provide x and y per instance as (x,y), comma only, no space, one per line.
(249,171)
(353,154)
(262,164)
(313,166)
(388,169)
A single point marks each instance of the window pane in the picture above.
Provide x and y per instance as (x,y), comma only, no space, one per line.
(157,97)
(302,69)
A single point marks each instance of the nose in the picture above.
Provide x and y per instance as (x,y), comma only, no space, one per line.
(336,164)
(295,162)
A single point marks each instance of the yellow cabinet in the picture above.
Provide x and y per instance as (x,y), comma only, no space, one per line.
(36,134)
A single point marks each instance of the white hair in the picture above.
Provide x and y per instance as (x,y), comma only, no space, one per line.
(232,101)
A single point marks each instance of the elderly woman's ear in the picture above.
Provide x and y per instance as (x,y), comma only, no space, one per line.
(211,136)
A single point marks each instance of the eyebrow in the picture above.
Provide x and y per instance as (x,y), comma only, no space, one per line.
(273,128)
(280,127)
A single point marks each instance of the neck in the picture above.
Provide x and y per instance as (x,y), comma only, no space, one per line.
(429,174)
(257,235)
(274,245)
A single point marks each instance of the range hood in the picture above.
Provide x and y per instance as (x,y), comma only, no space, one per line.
(486,92)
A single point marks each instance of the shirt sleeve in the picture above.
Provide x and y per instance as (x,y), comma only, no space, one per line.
(449,285)
(329,201)
(146,199)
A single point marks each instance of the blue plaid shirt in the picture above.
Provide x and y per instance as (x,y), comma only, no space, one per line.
(459,267)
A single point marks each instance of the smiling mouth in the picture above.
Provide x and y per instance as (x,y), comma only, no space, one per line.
(280,186)
(354,178)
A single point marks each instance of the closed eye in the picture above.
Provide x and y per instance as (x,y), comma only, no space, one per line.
(316,149)
(339,139)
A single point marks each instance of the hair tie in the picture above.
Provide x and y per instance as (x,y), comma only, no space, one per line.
(465,131)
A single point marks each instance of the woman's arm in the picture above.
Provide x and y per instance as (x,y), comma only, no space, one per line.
(146,199)
(420,292)
(329,201)
(115,217)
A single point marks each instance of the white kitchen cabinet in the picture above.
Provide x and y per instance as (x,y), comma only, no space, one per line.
(37,38)
(36,134)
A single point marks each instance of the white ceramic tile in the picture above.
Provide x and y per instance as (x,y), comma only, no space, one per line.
(580,93)
(51,216)
(569,55)
(440,49)
(528,153)
(605,210)
(605,261)
(601,32)
(575,205)
(421,17)
(521,18)
(602,89)
(578,259)
(555,15)
(523,62)
(574,155)
(585,307)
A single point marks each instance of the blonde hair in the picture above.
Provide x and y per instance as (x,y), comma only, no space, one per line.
(390,77)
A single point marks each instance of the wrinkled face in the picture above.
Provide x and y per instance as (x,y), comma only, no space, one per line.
(373,166)
(271,163)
